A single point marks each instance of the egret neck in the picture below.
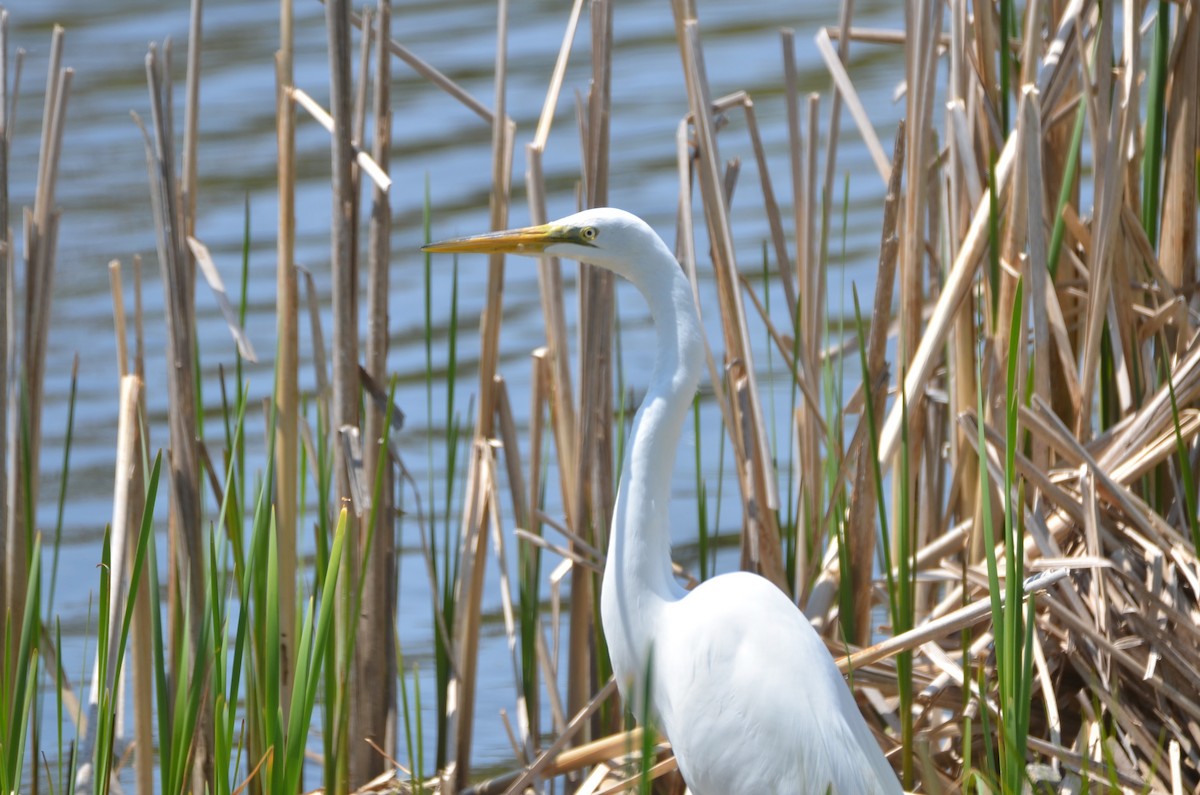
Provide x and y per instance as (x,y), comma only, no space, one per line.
(638,580)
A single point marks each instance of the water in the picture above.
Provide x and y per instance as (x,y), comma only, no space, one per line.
(102,192)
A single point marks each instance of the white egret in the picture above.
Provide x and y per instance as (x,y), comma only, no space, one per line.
(740,682)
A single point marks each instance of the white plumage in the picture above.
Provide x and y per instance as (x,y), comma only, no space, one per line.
(740,683)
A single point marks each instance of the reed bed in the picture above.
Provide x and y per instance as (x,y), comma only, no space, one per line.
(986,499)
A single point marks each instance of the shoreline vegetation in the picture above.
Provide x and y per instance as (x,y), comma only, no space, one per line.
(987,500)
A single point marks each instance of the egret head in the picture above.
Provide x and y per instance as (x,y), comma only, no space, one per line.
(610,238)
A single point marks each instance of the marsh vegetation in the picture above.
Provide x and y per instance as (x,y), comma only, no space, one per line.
(975,471)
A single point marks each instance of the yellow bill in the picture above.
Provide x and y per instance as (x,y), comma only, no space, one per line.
(528,240)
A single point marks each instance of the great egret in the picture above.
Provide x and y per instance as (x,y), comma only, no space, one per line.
(740,683)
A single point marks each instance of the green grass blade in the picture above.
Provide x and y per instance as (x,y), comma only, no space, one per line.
(1156,111)
(304,691)
(62,487)
(24,682)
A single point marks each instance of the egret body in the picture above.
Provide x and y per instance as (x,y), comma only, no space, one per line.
(739,681)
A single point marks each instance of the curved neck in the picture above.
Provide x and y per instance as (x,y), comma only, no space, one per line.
(637,576)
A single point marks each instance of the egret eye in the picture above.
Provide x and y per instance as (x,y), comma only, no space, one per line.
(588,233)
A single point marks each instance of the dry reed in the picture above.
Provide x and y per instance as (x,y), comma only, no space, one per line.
(374,717)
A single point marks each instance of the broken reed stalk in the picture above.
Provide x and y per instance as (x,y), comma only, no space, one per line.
(550,283)
(1035,271)
(188,548)
(862,518)
(374,716)
(808,322)
(593,476)
(963,190)
(523,746)
(553,387)
(473,542)
(344,380)
(123,539)
(923,23)
(432,74)
(800,207)
(360,710)
(760,539)
(202,768)
(41,235)
(287,356)
(344,405)
(954,289)
(578,758)
(142,646)
(41,240)
(1177,249)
